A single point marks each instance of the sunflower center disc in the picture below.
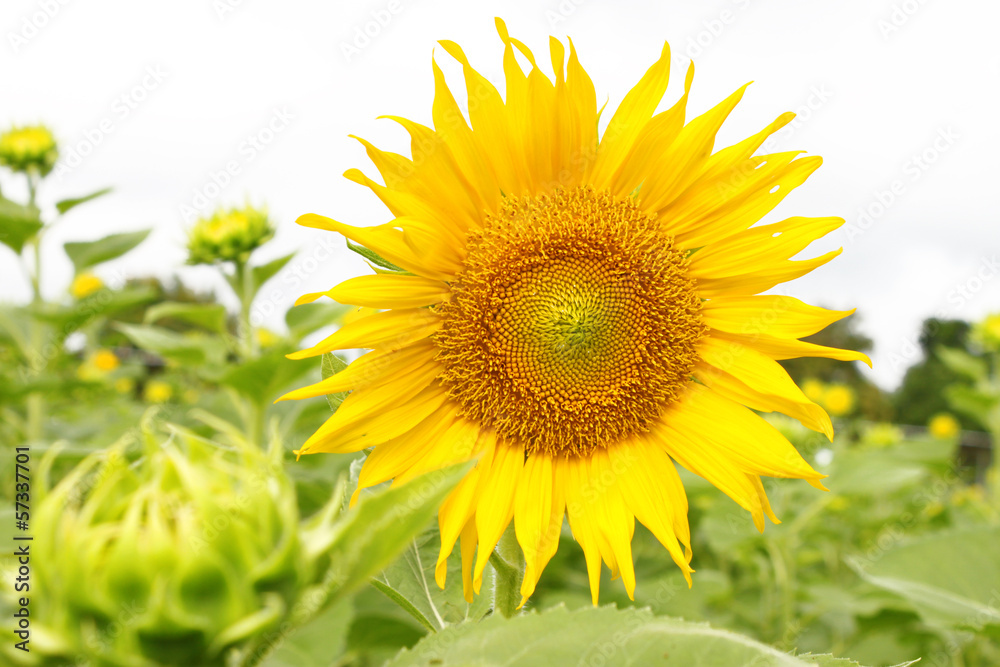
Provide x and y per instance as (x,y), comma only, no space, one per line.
(573,323)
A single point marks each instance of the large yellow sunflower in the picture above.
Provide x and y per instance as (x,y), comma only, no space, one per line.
(576,311)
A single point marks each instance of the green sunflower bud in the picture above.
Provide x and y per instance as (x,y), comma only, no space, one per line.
(228,235)
(185,556)
(29,148)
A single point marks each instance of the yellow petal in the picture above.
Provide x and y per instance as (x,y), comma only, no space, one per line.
(723,211)
(394,457)
(653,492)
(760,280)
(783,348)
(679,166)
(749,377)
(390,330)
(738,434)
(469,537)
(472,162)
(615,521)
(580,511)
(389,242)
(389,291)
(370,369)
(772,315)
(539,506)
(496,504)
(392,424)
(371,402)
(460,505)
(706,461)
(629,119)
(759,246)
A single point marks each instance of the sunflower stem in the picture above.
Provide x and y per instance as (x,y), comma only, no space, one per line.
(508,562)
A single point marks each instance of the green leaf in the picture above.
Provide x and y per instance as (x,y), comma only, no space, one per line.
(962,362)
(950,577)
(374,257)
(190,349)
(605,636)
(17,224)
(329,365)
(261,274)
(261,380)
(85,254)
(830,661)
(410,583)
(372,535)
(972,401)
(210,316)
(318,642)
(103,303)
(67,204)
(303,320)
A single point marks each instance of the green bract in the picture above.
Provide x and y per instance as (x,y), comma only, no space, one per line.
(178,558)
(228,235)
(29,148)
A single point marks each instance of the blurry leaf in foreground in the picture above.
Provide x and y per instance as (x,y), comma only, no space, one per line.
(210,316)
(362,542)
(67,204)
(952,578)
(308,317)
(409,582)
(85,254)
(262,379)
(17,224)
(195,350)
(602,635)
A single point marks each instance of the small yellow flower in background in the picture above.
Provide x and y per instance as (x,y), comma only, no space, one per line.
(814,390)
(883,435)
(228,235)
(124,385)
(267,338)
(29,148)
(190,396)
(157,392)
(84,285)
(838,400)
(97,365)
(933,509)
(987,332)
(943,426)
(838,503)
(105,360)
(553,322)
(972,494)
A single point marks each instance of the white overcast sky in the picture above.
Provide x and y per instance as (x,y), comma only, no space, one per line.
(887,81)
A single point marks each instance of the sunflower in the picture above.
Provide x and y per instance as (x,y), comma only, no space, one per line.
(576,312)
